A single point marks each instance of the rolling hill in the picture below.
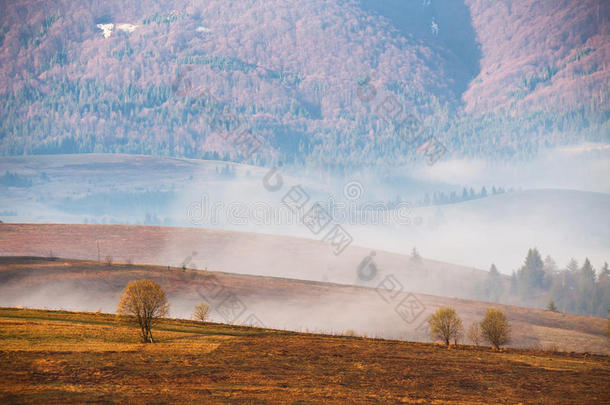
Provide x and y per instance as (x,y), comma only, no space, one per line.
(235,252)
(282,303)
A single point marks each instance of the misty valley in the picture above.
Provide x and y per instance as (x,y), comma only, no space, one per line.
(313,202)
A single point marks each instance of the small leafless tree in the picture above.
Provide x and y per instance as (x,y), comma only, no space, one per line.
(495,328)
(108,260)
(474,333)
(146,301)
(445,325)
(201,312)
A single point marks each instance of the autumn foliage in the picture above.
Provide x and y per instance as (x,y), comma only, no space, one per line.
(495,328)
(445,325)
(146,301)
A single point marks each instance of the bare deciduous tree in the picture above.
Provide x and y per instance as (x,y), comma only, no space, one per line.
(445,325)
(201,312)
(146,301)
(474,333)
(495,328)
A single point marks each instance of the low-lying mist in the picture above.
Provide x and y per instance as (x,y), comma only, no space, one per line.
(467,212)
(382,307)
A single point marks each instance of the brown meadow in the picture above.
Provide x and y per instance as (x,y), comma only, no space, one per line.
(70,357)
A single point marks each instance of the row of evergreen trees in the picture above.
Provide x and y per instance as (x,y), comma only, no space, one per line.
(439,198)
(541,283)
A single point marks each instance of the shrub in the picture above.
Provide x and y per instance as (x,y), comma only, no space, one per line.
(445,325)
(495,328)
(553,348)
(552,307)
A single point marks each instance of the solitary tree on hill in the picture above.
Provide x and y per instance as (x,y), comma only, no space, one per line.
(146,301)
(201,311)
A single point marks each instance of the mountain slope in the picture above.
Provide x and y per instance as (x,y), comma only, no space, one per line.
(112,77)
(550,54)
(286,66)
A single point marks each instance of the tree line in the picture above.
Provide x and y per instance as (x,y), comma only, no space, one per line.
(577,289)
(467,194)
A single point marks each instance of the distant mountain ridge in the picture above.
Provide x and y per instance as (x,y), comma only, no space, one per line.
(500,79)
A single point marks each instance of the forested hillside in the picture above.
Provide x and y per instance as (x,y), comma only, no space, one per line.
(307,79)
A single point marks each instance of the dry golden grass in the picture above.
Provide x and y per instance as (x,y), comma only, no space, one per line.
(68,357)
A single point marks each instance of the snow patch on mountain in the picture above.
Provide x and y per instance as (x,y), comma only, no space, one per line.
(107,28)
(127,27)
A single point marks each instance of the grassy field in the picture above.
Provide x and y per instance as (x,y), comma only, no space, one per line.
(70,357)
